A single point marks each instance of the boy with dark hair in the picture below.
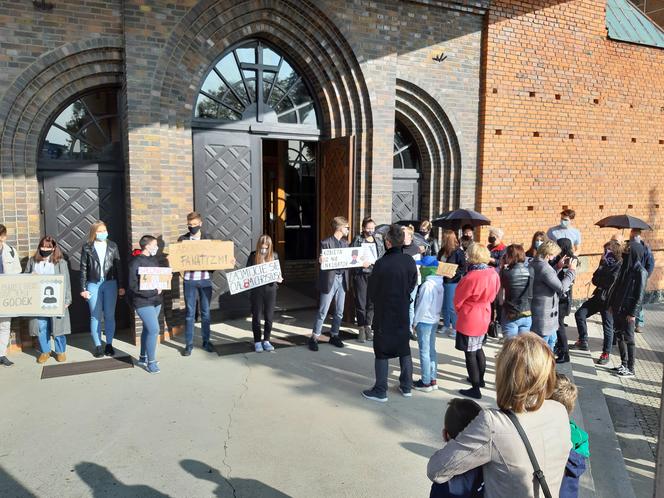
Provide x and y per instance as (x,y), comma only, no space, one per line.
(460,412)
(565,230)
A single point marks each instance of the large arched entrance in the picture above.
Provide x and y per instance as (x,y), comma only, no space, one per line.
(259,163)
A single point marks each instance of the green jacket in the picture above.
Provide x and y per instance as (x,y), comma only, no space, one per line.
(579,439)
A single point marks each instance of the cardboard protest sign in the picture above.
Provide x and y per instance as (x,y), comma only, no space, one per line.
(253,276)
(447,269)
(32,295)
(371,252)
(154,278)
(344,257)
(199,255)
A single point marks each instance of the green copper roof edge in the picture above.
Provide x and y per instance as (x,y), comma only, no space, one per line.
(625,22)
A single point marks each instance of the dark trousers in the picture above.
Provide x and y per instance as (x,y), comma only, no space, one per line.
(591,307)
(624,330)
(381,366)
(263,300)
(562,334)
(202,289)
(363,306)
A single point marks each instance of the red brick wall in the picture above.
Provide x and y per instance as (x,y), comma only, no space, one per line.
(571,118)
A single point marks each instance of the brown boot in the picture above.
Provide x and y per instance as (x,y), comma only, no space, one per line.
(369,333)
(60,357)
(43,358)
(362,336)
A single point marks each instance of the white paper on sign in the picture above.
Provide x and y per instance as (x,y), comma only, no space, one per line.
(344,257)
(253,276)
(371,252)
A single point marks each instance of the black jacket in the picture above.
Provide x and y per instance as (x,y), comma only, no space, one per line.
(393,279)
(604,279)
(518,284)
(137,297)
(251,261)
(627,295)
(458,257)
(326,277)
(90,265)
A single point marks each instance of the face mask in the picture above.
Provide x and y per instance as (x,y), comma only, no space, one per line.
(564,223)
(45,253)
(152,250)
(538,243)
(466,237)
(102,236)
(492,240)
(637,238)
(369,233)
(263,252)
(194,230)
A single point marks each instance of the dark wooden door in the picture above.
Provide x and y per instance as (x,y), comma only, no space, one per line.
(71,202)
(227,192)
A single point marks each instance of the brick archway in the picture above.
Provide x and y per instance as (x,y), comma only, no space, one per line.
(438,146)
(29,103)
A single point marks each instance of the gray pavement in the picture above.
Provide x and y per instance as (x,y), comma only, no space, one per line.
(289,423)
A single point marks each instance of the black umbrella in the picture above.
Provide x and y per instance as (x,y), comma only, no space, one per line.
(382,229)
(460,217)
(405,223)
(623,221)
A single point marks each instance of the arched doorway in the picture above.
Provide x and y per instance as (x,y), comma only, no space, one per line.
(259,163)
(80,171)
(406,200)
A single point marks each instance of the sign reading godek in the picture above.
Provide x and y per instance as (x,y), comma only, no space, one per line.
(154,278)
(253,276)
(345,257)
(32,295)
(198,255)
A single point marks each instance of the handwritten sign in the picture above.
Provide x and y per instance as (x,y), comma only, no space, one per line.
(32,295)
(447,269)
(154,278)
(370,251)
(344,257)
(199,255)
(253,276)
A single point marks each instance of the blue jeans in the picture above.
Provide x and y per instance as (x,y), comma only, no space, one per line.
(338,294)
(641,319)
(411,308)
(204,290)
(150,317)
(45,333)
(516,327)
(449,313)
(103,296)
(426,338)
(551,339)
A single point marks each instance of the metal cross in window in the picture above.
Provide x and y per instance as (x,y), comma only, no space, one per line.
(259,69)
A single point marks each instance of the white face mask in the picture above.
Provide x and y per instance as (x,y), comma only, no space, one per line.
(263,252)
(152,250)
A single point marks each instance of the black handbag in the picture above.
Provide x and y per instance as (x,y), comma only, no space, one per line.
(493,330)
(539,475)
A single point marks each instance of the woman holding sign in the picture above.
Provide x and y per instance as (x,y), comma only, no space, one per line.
(147,303)
(263,298)
(48,260)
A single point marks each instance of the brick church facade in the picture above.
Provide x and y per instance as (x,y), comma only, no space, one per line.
(275,115)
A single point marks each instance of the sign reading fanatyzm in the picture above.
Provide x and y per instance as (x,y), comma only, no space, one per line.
(253,276)
(200,255)
(32,295)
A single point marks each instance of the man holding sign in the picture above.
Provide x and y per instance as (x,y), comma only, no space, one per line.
(333,284)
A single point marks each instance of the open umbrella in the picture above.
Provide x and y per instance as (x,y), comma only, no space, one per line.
(405,223)
(623,221)
(382,229)
(460,217)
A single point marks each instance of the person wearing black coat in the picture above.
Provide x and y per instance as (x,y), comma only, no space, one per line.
(264,298)
(625,303)
(603,279)
(565,302)
(390,286)
(147,303)
(101,283)
(333,285)
(517,281)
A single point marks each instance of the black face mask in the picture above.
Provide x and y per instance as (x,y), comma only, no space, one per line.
(492,240)
(194,230)
(45,254)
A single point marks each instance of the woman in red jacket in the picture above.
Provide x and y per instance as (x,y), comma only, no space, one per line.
(472,301)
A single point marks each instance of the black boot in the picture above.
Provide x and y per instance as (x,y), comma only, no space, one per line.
(563,358)
(99,352)
(473,392)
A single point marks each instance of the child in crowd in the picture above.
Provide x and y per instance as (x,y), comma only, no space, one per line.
(566,393)
(460,412)
(427,316)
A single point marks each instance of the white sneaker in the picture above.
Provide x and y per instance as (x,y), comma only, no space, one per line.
(258,347)
(267,346)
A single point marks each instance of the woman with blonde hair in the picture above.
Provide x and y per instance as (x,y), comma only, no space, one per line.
(264,298)
(472,301)
(426,231)
(450,252)
(101,284)
(525,379)
(547,288)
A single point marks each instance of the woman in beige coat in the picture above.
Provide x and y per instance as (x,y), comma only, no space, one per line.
(525,379)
